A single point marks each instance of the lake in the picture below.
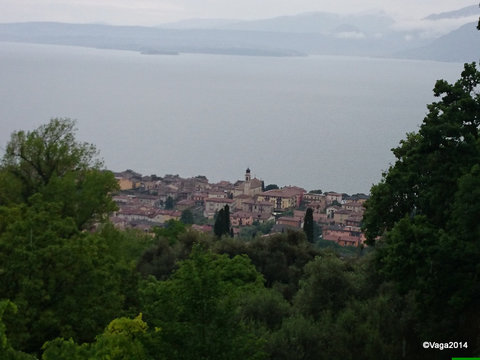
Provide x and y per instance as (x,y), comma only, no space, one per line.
(318,122)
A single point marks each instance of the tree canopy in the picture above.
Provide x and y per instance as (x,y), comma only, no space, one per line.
(50,161)
(424,213)
(271,187)
(424,179)
(63,280)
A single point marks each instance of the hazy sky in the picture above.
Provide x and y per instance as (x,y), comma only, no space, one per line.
(153,12)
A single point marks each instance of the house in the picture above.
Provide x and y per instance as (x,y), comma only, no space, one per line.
(263,217)
(135,213)
(331,210)
(294,222)
(171,191)
(333,197)
(317,217)
(344,236)
(150,183)
(315,200)
(255,206)
(340,216)
(162,216)
(148,200)
(128,179)
(345,240)
(185,204)
(213,205)
(241,218)
(124,184)
(217,195)
(122,200)
(240,200)
(354,220)
(355,206)
(224,186)
(282,199)
(317,206)
(199,198)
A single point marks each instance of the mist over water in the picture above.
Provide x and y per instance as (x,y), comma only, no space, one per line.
(317,122)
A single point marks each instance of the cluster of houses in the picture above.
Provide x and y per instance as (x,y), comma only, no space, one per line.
(148,201)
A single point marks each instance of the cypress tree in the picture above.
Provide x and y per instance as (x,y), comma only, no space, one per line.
(227,224)
(218,227)
(308,224)
(222,224)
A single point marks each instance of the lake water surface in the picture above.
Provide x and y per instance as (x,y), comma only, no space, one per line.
(318,122)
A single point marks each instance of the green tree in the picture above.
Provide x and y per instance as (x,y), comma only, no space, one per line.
(187,217)
(169,203)
(280,258)
(327,286)
(50,161)
(162,258)
(219,225)
(6,349)
(196,308)
(298,338)
(429,163)
(256,229)
(424,213)
(228,224)
(123,339)
(308,225)
(64,280)
(158,261)
(271,187)
(222,224)
(34,157)
(171,230)
(363,329)
(264,308)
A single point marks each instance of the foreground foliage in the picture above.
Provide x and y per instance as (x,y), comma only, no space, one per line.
(424,215)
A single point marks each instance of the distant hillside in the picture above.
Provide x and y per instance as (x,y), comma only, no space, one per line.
(319,33)
(148,40)
(464,12)
(318,22)
(461,45)
(190,24)
(343,41)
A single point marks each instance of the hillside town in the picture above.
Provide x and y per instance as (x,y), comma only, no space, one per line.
(145,202)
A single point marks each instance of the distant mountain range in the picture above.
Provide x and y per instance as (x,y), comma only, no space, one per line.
(461,45)
(317,22)
(464,12)
(375,35)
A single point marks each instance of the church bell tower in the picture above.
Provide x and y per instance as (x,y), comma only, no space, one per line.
(247,175)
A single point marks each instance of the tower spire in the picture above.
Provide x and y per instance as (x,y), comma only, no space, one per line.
(247,175)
